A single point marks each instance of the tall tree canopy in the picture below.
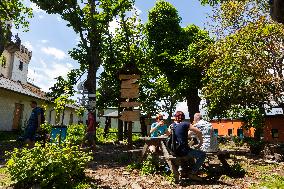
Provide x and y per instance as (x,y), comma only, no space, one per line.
(16,12)
(176,52)
(247,67)
(90,20)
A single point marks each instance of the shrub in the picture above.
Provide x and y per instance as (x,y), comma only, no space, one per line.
(76,134)
(149,166)
(109,138)
(52,166)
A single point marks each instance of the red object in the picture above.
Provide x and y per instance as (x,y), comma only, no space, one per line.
(91,122)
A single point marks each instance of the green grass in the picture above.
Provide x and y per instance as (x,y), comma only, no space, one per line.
(270,181)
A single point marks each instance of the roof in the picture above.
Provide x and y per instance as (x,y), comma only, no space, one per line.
(18,87)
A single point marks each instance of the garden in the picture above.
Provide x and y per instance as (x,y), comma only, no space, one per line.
(112,165)
(233,65)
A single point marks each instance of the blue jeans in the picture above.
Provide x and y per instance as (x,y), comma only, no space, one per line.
(199,156)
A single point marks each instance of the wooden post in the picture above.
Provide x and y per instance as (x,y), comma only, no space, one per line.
(129,91)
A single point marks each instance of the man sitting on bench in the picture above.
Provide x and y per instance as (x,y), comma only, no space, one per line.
(181,130)
(210,143)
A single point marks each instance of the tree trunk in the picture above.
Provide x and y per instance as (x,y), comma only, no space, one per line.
(143,126)
(129,136)
(2,40)
(193,101)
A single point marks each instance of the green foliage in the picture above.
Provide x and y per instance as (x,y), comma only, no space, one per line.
(243,73)
(175,52)
(110,137)
(149,166)
(133,166)
(238,141)
(5,179)
(270,181)
(256,145)
(90,21)
(3,61)
(52,166)
(252,118)
(18,13)
(237,171)
(76,133)
(46,127)
(80,111)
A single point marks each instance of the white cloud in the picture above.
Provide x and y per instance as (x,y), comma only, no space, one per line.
(57,53)
(44,73)
(28,45)
(35,8)
(41,16)
(43,41)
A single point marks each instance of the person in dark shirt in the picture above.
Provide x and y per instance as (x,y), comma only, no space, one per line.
(182,130)
(33,125)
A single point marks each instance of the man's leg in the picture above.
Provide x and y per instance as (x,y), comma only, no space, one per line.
(200,158)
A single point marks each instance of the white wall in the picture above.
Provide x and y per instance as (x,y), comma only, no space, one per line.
(8,100)
(114,121)
(17,74)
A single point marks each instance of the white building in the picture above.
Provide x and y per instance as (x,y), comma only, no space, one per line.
(16,93)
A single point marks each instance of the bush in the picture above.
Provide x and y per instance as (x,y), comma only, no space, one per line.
(110,137)
(238,141)
(76,134)
(256,146)
(50,167)
(149,166)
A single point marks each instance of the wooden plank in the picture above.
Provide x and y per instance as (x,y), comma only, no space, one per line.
(129,93)
(130,104)
(170,162)
(130,116)
(123,76)
(131,83)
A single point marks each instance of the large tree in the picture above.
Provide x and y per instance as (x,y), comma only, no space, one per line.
(125,45)
(90,20)
(175,51)
(12,11)
(246,63)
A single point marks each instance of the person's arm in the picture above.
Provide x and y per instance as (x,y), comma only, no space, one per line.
(38,121)
(168,131)
(154,126)
(198,134)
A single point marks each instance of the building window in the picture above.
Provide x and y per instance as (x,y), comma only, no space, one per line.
(240,133)
(71,119)
(21,66)
(274,133)
(230,132)
(216,132)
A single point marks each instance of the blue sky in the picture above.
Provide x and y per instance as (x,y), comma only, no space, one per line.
(50,39)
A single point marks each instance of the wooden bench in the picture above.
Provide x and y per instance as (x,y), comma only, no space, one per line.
(185,162)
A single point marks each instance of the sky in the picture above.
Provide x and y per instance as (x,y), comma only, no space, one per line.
(50,39)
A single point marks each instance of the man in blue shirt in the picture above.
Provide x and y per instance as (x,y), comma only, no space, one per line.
(157,129)
(33,124)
